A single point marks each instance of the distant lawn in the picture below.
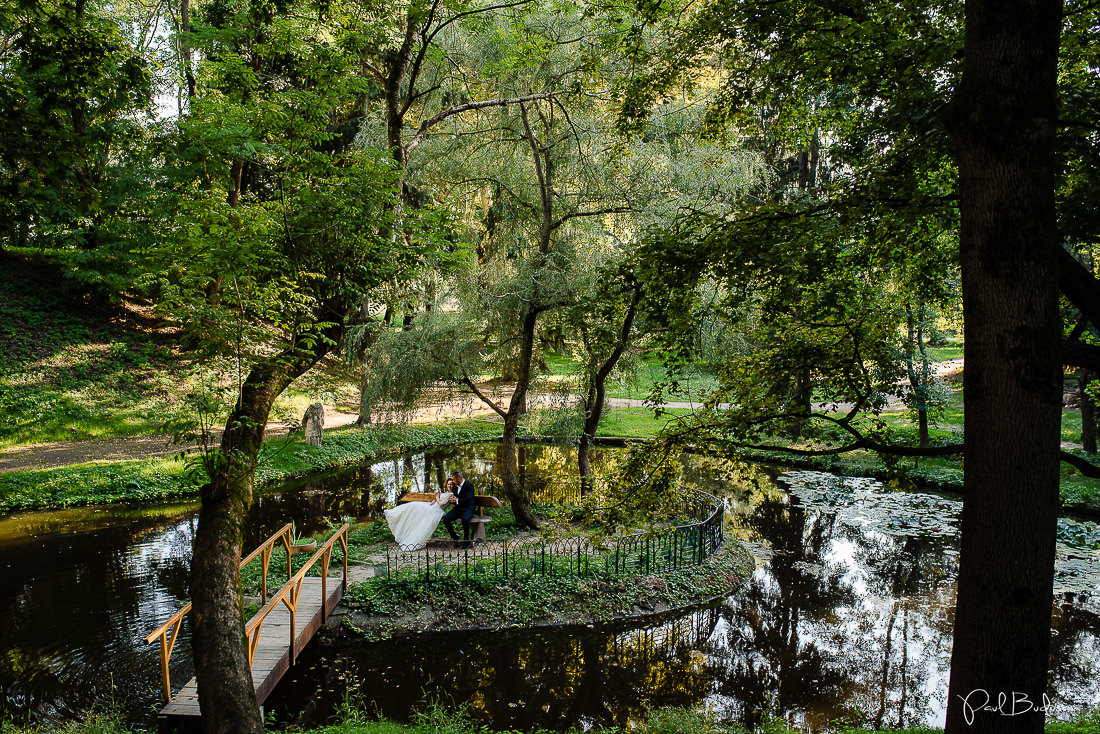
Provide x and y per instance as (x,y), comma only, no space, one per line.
(638,383)
(636,422)
(943,354)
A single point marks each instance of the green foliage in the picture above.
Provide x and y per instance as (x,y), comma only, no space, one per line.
(1086,722)
(813,280)
(162,478)
(72,95)
(94,722)
(87,484)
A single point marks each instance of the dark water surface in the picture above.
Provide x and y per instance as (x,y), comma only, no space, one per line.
(848,616)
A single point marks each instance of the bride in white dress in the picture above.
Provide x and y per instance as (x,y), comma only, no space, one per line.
(412,523)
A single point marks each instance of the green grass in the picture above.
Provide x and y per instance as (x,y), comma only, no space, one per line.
(74,367)
(639,383)
(942,354)
(435,719)
(69,370)
(636,422)
(162,478)
(95,722)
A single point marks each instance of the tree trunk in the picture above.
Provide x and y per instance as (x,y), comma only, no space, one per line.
(597,391)
(593,412)
(513,489)
(515,492)
(1088,412)
(1002,123)
(918,378)
(185,51)
(226,693)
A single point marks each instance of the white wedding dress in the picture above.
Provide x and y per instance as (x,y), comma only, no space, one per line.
(412,523)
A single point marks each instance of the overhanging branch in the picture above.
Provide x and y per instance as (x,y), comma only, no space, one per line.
(1086,467)
(459,109)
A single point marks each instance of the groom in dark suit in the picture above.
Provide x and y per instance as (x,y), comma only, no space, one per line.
(463,509)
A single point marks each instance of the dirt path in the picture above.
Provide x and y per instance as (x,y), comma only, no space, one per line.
(64,453)
(61,453)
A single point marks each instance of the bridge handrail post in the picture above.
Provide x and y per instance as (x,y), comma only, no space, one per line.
(324,582)
(292,589)
(265,560)
(344,548)
(175,622)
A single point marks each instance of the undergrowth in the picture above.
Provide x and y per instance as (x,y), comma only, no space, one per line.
(559,599)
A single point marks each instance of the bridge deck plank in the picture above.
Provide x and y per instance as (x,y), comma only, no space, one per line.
(272,658)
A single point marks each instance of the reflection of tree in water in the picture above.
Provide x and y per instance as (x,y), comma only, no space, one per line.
(902,631)
(838,628)
(514,679)
(74,601)
(314,504)
(1074,656)
(768,666)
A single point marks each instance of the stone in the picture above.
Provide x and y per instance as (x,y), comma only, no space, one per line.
(313,423)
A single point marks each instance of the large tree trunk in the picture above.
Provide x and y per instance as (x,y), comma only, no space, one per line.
(1002,122)
(226,693)
(513,489)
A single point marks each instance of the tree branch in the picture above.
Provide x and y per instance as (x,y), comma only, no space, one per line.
(597,213)
(482,396)
(459,109)
(1079,286)
(1084,466)
(1080,354)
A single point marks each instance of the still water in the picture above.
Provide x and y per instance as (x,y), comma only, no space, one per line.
(848,616)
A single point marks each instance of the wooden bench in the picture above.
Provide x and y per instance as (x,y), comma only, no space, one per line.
(481,501)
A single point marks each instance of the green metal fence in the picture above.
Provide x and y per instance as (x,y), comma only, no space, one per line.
(682,546)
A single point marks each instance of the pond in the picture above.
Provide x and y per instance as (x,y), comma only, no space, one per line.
(848,616)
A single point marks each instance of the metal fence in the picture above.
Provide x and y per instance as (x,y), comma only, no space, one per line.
(679,547)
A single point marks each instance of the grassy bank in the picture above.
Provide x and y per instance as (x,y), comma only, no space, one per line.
(74,366)
(164,478)
(437,720)
(380,606)
(1078,493)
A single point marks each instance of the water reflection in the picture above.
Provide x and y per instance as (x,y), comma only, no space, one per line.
(848,617)
(560,679)
(82,586)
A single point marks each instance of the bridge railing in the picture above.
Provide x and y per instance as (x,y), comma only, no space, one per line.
(168,632)
(292,589)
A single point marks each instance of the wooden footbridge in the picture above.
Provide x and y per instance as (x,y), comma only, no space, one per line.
(276,634)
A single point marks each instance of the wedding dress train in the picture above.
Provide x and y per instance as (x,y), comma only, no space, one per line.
(412,523)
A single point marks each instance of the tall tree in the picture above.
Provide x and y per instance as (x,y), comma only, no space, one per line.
(73,93)
(1003,120)
(271,200)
